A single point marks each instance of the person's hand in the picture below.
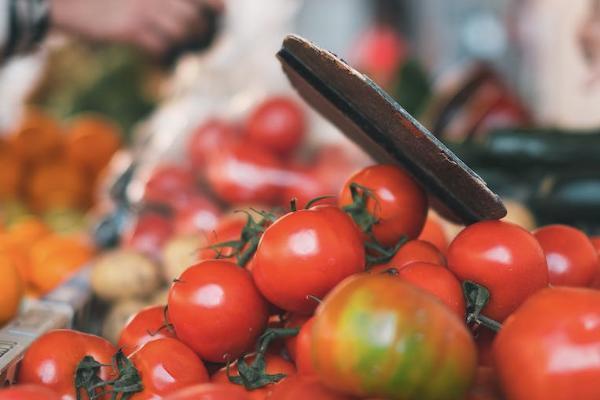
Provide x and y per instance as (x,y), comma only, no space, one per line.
(154,25)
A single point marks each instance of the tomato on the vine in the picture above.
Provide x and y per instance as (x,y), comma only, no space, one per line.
(167,181)
(571,256)
(148,233)
(274,364)
(148,324)
(277,124)
(378,336)
(52,359)
(395,203)
(306,253)
(228,228)
(504,258)
(438,281)
(305,387)
(198,214)
(294,321)
(434,233)
(28,392)
(165,366)
(210,391)
(216,309)
(549,349)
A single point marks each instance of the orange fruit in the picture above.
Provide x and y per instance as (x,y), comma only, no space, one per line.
(58,185)
(17,253)
(11,174)
(28,230)
(38,138)
(55,258)
(91,142)
(11,289)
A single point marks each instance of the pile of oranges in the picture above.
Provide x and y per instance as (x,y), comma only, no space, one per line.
(47,168)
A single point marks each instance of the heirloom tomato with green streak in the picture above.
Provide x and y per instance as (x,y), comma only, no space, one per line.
(377,336)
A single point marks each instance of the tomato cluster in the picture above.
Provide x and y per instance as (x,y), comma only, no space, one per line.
(359,298)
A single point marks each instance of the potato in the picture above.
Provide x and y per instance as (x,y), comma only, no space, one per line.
(118,316)
(125,274)
(179,253)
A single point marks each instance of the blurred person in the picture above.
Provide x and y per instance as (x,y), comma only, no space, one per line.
(153,25)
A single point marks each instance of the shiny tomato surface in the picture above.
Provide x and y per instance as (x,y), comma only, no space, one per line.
(52,359)
(146,325)
(216,310)
(378,336)
(414,251)
(571,256)
(306,253)
(504,258)
(305,388)
(28,392)
(210,391)
(549,349)
(397,202)
(165,366)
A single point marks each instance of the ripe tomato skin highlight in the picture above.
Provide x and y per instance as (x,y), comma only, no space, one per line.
(274,365)
(216,310)
(413,251)
(165,366)
(571,257)
(400,204)
(210,391)
(304,363)
(361,327)
(207,138)
(307,252)
(28,392)
(438,281)
(52,359)
(277,124)
(303,388)
(504,258)
(548,349)
(147,325)
(242,172)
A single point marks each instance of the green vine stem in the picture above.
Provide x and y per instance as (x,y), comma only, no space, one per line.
(476,297)
(254,375)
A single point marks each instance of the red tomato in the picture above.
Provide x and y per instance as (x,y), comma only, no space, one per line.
(504,258)
(303,349)
(549,349)
(147,325)
(52,359)
(274,365)
(28,392)
(148,234)
(216,310)
(596,242)
(199,214)
(277,124)
(438,281)
(244,173)
(167,181)
(295,321)
(399,203)
(303,388)
(165,366)
(303,185)
(228,228)
(433,232)
(210,391)
(304,253)
(207,138)
(571,256)
(413,251)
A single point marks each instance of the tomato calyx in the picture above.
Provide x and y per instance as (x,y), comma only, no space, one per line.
(244,248)
(87,379)
(378,254)
(477,296)
(358,208)
(253,376)
(166,324)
